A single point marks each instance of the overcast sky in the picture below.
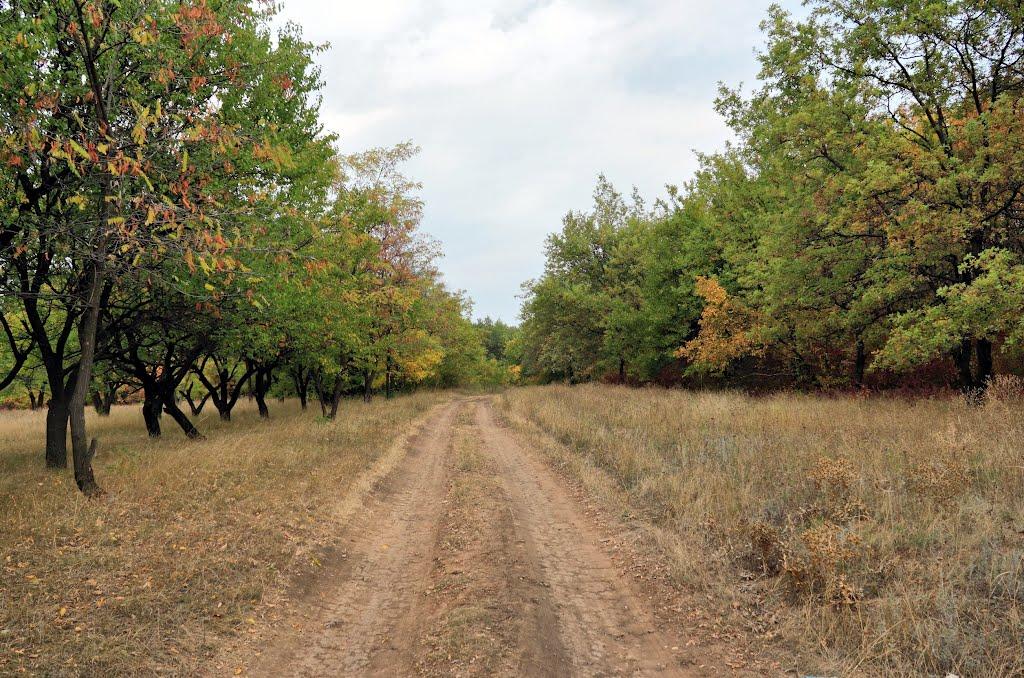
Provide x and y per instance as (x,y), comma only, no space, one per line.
(518,105)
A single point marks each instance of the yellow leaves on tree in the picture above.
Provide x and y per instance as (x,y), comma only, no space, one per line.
(725,329)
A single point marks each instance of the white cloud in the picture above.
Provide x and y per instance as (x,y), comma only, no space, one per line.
(519,104)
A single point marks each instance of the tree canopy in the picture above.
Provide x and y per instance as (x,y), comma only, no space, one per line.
(866,225)
(174,217)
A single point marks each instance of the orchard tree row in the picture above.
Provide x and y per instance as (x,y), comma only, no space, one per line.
(175,223)
(867,224)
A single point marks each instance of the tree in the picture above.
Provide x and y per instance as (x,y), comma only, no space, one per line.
(131,132)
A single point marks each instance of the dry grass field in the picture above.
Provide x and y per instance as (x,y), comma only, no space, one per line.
(190,539)
(873,536)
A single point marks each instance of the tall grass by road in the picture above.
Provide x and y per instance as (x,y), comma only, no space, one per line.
(174,560)
(878,535)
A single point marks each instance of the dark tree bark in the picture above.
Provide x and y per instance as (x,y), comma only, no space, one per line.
(36,400)
(262,380)
(320,392)
(101,402)
(224,394)
(195,409)
(171,408)
(82,451)
(57,433)
(973,380)
(19,354)
(962,360)
(329,396)
(151,407)
(367,386)
(301,377)
(61,381)
(985,371)
(860,364)
(33,273)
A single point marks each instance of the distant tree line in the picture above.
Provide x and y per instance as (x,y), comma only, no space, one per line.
(867,226)
(175,224)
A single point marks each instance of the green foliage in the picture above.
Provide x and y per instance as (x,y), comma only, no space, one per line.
(869,217)
(173,216)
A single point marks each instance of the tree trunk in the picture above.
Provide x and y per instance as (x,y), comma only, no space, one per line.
(109,398)
(260,386)
(36,399)
(182,420)
(367,387)
(336,397)
(261,404)
(101,404)
(192,406)
(983,349)
(151,414)
(322,399)
(82,451)
(962,359)
(57,433)
(860,364)
(301,379)
(224,398)
(622,370)
(58,412)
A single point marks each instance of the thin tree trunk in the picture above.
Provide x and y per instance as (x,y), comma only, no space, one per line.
(860,364)
(109,398)
(261,404)
(261,383)
(367,387)
(336,397)
(301,379)
(192,406)
(36,399)
(181,419)
(81,450)
(101,404)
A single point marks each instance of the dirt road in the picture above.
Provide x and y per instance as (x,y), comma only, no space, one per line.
(470,558)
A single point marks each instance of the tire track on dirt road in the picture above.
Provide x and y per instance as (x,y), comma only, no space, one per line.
(470,559)
(487,613)
(361,624)
(606,629)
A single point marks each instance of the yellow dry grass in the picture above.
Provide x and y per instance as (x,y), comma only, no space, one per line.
(867,535)
(191,537)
